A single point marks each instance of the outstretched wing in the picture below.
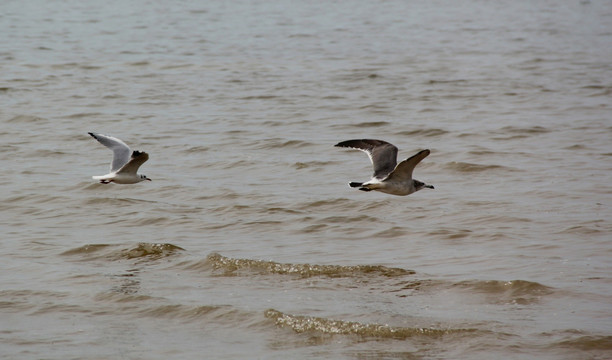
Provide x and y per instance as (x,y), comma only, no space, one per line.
(138,158)
(121,152)
(382,154)
(403,170)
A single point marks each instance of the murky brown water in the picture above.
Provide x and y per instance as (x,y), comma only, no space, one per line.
(248,243)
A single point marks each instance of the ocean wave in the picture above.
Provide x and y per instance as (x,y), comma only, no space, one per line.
(515,132)
(312,164)
(143,251)
(302,324)
(23,300)
(149,307)
(45,153)
(83,115)
(340,219)
(227,266)
(470,167)
(337,203)
(187,312)
(446,81)
(280,143)
(123,201)
(391,232)
(260,97)
(26,119)
(529,130)
(196,149)
(423,132)
(451,234)
(123,297)
(370,124)
(361,74)
(483,152)
(586,343)
(596,226)
(508,292)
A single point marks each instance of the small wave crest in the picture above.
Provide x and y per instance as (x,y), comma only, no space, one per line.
(369,124)
(186,312)
(234,267)
(311,164)
(26,119)
(143,251)
(301,324)
(514,292)
(514,132)
(423,132)
(529,130)
(469,167)
(152,251)
(24,300)
(277,143)
(587,343)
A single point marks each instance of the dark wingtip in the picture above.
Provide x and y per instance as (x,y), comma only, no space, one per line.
(136,154)
(362,144)
(345,144)
(426,151)
(92,135)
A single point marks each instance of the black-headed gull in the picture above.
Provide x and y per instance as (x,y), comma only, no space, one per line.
(125,162)
(388,178)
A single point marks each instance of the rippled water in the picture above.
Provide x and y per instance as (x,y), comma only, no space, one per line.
(248,243)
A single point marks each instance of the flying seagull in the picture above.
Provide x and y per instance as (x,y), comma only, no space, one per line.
(125,161)
(388,177)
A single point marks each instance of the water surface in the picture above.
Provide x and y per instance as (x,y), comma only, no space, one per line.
(248,243)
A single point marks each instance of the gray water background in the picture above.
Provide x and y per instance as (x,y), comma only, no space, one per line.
(248,243)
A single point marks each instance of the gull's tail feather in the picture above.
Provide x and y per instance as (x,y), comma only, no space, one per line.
(359,185)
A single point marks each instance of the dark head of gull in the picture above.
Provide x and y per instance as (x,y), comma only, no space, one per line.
(418,185)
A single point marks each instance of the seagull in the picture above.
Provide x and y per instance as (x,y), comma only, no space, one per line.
(125,161)
(388,178)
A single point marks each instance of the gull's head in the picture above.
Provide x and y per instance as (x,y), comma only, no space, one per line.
(418,185)
(144,177)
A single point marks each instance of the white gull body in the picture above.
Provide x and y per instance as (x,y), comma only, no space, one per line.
(125,162)
(389,177)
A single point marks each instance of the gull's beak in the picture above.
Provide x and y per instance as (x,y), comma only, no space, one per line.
(429,186)
(149,179)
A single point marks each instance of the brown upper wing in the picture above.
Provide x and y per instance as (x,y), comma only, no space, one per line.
(383,155)
(403,170)
(138,158)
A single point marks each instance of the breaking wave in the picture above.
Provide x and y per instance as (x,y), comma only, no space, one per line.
(302,324)
(234,267)
(148,251)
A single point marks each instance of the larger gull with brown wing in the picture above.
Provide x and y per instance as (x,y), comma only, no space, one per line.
(389,177)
